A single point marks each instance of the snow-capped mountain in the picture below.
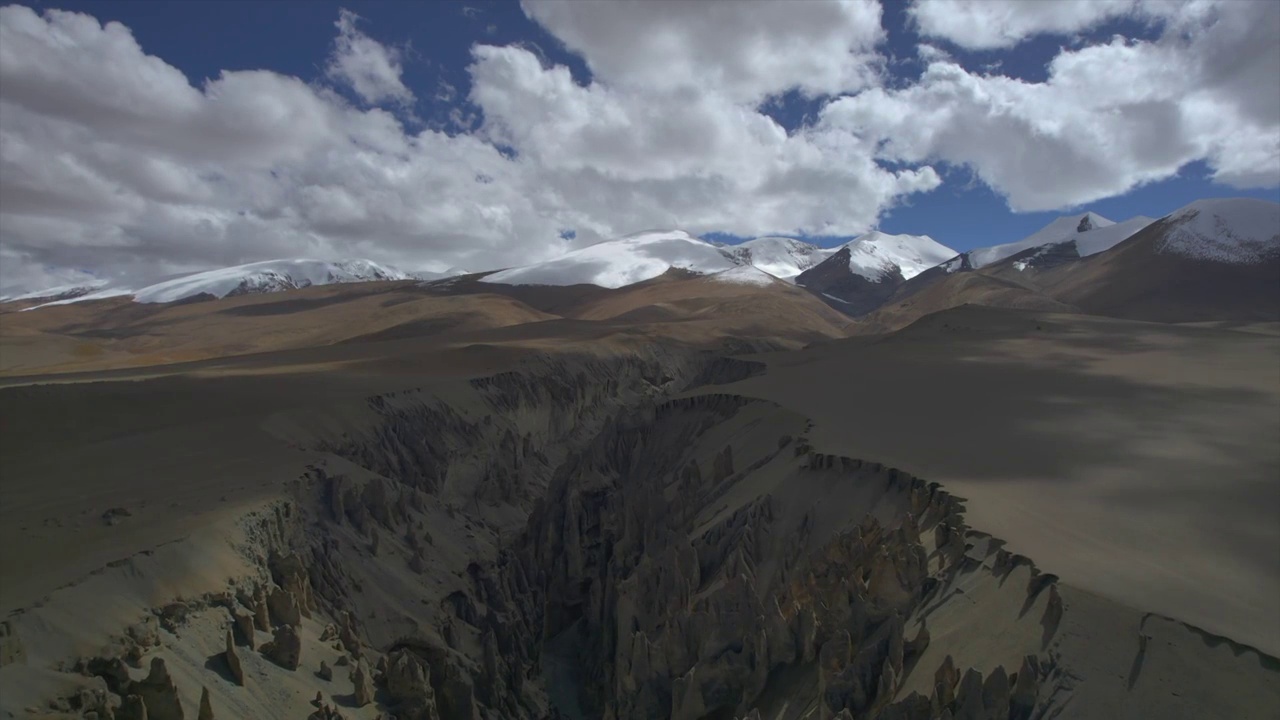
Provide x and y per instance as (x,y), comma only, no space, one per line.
(265,277)
(102,293)
(432,276)
(876,254)
(646,255)
(1235,231)
(1210,260)
(625,261)
(1060,230)
(745,275)
(781,257)
(859,275)
(1078,245)
(1215,259)
(1088,234)
(61,292)
(253,278)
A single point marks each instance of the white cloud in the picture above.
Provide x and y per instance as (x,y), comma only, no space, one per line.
(112,162)
(931,53)
(991,24)
(365,65)
(1109,117)
(743,53)
(677,157)
(668,133)
(987,24)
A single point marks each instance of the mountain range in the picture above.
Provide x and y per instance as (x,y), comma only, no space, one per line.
(1211,260)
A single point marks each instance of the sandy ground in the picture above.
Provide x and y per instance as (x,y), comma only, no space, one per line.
(1138,461)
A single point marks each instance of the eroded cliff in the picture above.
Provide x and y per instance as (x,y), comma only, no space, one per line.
(597,537)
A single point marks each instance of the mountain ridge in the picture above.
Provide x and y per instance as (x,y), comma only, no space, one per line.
(858,277)
(1211,260)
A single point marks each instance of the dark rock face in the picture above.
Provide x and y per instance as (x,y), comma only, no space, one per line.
(10,647)
(206,707)
(1040,258)
(689,626)
(233,660)
(408,682)
(285,648)
(132,708)
(835,284)
(1022,701)
(244,625)
(362,681)
(158,694)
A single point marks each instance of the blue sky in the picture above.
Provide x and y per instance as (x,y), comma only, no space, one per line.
(958,195)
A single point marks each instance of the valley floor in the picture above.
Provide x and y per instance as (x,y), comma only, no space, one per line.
(989,514)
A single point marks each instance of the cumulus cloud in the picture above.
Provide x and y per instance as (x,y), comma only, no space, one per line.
(991,24)
(931,53)
(676,156)
(746,54)
(1109,117)
(113,163)
(365,65)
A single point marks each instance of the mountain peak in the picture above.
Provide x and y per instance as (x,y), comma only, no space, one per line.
(1226,230)
(622,261)
(1060,229)
(875,253)
(251,278)
(744,275)
(266,276)
(781,257)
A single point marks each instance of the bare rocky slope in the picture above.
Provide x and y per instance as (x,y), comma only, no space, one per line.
(1211,261)
(574,536)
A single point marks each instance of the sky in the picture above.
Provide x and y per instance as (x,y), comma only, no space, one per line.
(140,140)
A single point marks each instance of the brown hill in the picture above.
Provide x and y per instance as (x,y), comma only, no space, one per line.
(944,291)
(118,333)
(1138,281)
(713,305)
